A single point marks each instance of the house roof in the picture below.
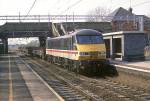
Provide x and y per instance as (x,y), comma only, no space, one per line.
(121,14)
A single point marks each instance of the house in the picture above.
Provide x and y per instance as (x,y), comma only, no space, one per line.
(124,20)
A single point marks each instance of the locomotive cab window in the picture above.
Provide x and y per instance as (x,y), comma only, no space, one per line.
(89,39)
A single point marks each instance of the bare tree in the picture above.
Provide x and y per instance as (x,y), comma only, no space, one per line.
(148,15)
(98,14)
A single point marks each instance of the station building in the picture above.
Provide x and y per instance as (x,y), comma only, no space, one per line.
(125,45)
(129,37)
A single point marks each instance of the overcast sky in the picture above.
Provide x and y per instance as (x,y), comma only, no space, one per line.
(45,7)
(13,7)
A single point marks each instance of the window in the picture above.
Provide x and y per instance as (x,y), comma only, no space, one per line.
(89,39)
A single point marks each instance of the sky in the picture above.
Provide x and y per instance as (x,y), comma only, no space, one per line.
(66,7)
(59,7)
(13,7)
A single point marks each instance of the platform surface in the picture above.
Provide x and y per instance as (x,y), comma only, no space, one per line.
(145,65)
(19,83)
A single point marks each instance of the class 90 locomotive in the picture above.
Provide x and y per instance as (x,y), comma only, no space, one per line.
(80,51)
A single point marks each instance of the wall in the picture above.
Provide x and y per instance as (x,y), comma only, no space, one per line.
(134,45)
(124,26)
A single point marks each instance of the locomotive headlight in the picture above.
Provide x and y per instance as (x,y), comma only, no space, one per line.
(84,53)
(101,53)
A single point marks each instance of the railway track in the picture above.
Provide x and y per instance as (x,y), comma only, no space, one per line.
(109,90)
(63,87)
(98,89)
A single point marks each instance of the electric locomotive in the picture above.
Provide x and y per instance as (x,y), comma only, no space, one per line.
(80,51)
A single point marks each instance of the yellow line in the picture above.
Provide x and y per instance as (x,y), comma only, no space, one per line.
(10,83)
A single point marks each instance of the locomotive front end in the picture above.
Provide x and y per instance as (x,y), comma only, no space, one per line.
(91,50)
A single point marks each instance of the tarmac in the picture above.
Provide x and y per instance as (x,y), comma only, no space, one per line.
(18,82)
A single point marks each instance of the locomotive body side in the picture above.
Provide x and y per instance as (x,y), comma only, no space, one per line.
(81,49)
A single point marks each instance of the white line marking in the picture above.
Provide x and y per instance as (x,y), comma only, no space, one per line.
(10,83)
(51,89)
(8,56)
(127,67)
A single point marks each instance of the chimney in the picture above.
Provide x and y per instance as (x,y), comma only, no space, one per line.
(130,10)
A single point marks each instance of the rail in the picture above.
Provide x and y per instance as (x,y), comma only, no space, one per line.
(102,89)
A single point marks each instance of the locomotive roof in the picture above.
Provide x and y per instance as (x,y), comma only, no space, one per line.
(80,32)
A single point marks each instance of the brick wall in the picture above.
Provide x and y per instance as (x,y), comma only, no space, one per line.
(124,26)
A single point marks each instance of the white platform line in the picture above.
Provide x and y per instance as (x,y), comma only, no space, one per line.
(10,82)
(45,83)
(7,56)
(132,68)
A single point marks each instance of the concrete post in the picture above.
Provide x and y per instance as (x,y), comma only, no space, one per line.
(5,43)
(111,48)
(42,41)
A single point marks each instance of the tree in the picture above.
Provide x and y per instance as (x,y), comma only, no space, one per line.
(148,15)
(98,14)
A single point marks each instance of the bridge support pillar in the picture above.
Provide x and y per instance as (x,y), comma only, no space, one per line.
(42,41)
(5,45)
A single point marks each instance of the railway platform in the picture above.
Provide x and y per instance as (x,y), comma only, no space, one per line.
(18,82)
(139,65)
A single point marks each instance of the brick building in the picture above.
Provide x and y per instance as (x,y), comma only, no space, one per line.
(124,20)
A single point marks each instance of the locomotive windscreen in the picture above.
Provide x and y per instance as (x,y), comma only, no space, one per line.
(89,39)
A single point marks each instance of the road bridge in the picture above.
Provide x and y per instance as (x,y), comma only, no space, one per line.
(44,29)
(26,29)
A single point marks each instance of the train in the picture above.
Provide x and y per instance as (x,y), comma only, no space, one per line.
(81,51)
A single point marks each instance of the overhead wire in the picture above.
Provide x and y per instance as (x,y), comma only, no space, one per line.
(141,3)
(55,3)
(31,8)
(110,7)
(60,6)
(130,3)
(71,6)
